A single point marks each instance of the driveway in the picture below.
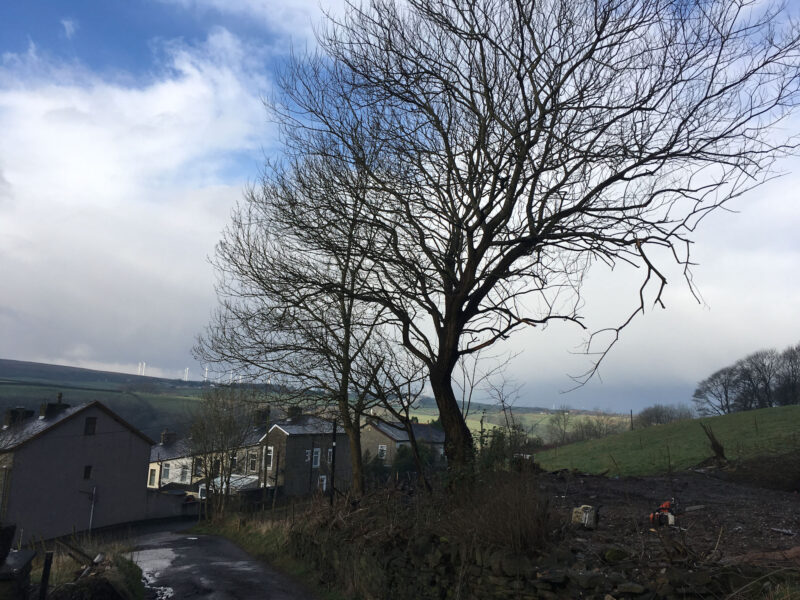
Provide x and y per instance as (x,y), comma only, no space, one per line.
(184,565)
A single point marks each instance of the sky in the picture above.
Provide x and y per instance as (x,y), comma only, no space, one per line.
(128,131)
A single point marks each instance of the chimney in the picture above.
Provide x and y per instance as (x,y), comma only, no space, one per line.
(294,411)
(15,415)
(261,416)
(50,409)
(168,437)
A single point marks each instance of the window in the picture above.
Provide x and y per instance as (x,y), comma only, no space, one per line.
(315,462)
(90,426)
(198,467)
(308,455)
(152,481)
(382,451)
(252,461)
(268,458)
(322,484)
(330,455)
(233,463)
(202,491)
(87,472)
(184,473)
(165,471)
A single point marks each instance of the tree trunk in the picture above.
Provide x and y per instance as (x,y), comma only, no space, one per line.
(356,461)
(457,437)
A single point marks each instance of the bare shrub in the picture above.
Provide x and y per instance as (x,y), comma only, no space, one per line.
(502,510)
(661,414)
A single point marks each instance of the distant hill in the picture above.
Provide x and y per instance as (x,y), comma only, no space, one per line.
(18,370)
(476,408)
(150,403)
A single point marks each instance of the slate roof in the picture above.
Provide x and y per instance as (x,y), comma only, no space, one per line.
(182,448)
(240,483)
(306,425)
(422,433)
(177,449)
(24,431)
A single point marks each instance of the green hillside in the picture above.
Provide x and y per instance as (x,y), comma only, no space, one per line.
(149,403)
(681,445)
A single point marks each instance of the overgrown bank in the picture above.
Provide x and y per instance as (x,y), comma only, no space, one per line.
(504,536)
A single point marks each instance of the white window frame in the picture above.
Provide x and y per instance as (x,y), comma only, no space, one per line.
(270,452)
(151,480)
(315,460)
(165,471)
(184,473)
(252,462)
(330,455)
(382,451)
(322,483)
(308,455)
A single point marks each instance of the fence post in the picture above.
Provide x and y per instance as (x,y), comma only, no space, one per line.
(48,562)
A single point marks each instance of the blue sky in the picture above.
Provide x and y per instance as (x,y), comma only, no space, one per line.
(129,130)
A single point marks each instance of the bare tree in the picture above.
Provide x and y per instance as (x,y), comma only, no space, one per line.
(788,380)
(559,425)
(757,374)
(509,145)
(290,264)
(219,431)
(716,395)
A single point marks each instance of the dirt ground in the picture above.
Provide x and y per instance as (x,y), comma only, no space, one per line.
(720,520)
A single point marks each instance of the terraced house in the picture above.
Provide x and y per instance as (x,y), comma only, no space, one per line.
(300,456)
(70,468)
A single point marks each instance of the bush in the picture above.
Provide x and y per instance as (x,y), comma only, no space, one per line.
(661,414)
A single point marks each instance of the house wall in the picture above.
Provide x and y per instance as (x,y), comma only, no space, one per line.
(48,495)
(243,462)
(372,438)
(175,465)
(299,476)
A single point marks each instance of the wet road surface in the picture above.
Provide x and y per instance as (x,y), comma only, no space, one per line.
(178,565)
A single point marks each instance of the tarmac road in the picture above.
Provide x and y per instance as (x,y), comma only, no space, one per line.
(178,565)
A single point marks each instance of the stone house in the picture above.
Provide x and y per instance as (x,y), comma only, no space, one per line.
(70,469)
(173,465)
(299,456)
(383,440)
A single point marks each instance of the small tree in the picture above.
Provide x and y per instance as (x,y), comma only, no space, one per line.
(220,429)
(558,427)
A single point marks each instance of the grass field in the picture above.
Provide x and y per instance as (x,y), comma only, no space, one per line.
(681,445)
(151,412)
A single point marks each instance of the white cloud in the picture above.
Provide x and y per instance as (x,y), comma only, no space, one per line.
(747,275)
(70,27)
(112,196)
(297,18)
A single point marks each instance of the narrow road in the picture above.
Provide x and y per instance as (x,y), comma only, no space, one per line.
(184,565)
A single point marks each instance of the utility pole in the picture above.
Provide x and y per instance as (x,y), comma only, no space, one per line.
(333,461)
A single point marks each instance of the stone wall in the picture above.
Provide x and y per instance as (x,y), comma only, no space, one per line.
(431,567)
